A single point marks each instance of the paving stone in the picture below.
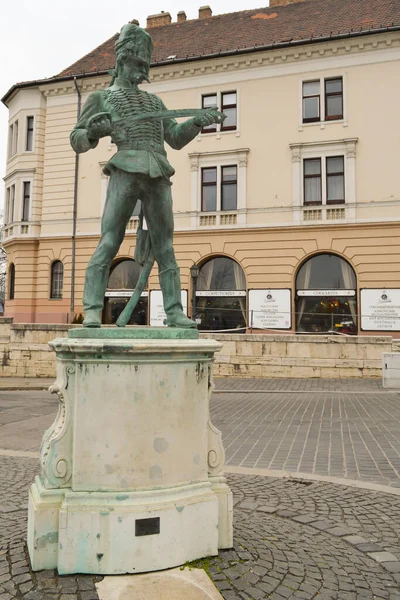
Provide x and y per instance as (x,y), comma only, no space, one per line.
(382,557)
(338,531)
(392,567)
(355,540)
(368,547)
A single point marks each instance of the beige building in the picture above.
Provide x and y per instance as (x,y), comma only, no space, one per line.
(290,210)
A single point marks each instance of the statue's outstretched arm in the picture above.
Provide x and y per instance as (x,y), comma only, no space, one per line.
(79,136)
(177,135)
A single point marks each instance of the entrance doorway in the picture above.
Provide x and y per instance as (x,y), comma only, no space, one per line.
(326,296)
(121,284)
(221,295)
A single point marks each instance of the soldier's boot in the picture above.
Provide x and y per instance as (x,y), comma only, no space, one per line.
(93,296)
(171,289)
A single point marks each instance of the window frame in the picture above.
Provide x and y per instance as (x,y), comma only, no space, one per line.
(219,127)
(228,183)
(24,183)
(218,187)
(210,128)
(56,294)
(223,106)
(209,184)
(332,94)
(27,131)
(10,198)
(312,119)
(13,134)
(323,120)
(347,148)
(11,282)
(312,177)
(341,173)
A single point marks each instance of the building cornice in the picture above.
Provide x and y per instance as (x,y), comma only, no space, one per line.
(238,60)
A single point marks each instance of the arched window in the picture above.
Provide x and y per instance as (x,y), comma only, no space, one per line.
(326,296)
(122,281)
(221,295)
(57,280)
(124,275)
(11,282)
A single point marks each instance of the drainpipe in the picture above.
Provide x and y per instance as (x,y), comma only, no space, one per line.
(74,213)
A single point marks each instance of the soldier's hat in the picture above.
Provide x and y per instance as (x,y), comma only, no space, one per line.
(137,40)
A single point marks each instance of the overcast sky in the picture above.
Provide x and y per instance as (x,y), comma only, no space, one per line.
(39,38)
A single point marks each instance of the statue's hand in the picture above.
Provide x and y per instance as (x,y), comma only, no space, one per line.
(209,117)
(99,126)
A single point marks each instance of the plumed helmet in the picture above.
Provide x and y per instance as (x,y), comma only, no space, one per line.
(137,40)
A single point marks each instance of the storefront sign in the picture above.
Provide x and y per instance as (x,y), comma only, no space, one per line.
(380,309)
(326,292)
(157,313)
(220,293)
(270,309)
(123,294)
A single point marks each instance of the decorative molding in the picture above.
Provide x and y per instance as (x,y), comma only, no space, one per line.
(56,447)
(384,45)
(216,452)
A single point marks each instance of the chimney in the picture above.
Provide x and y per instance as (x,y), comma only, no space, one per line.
(181,17)
(163,18)
(205,12)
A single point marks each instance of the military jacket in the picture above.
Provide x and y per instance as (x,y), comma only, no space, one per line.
(140,145)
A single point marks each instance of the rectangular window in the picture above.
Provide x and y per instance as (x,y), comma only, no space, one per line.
(227,104)
(311,101)
(7,206)
(312,181)
(335,180)
(29,134)
(333,99)
(209,189)
(11,205)
(229,188)
(229,107)
(209,101)
(13,139)
(26,201)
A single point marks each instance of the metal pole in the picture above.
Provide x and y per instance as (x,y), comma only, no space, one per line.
(74,215)
(194,307)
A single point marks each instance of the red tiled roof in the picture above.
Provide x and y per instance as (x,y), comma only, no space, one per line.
(301,21)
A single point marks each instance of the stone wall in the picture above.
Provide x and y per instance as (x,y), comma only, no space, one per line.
(325,356)
(24,352)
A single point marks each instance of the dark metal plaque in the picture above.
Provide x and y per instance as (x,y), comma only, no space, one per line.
(147,526)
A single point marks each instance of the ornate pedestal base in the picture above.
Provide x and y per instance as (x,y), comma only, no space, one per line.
(132,468)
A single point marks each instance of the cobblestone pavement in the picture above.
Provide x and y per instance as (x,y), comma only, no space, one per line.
(293,539)
(335,428)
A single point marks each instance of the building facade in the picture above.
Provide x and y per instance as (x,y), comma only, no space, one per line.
(286,216)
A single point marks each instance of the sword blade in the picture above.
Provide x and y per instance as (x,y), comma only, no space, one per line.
(163,114)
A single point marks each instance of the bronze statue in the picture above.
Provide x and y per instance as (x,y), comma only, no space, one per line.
(138,123)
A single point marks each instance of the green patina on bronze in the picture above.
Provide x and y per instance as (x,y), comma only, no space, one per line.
(139,124)
(134,333)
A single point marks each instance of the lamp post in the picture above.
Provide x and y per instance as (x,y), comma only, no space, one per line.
(194,273)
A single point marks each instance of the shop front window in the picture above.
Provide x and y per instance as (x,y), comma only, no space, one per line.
(221,296)
(326,296)
(121,284)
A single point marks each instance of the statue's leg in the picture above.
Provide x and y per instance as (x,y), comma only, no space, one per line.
(157,206)
(120,202)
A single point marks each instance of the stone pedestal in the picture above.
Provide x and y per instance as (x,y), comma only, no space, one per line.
(132,468)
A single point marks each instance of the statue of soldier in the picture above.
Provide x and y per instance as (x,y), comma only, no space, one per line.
(139,170)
